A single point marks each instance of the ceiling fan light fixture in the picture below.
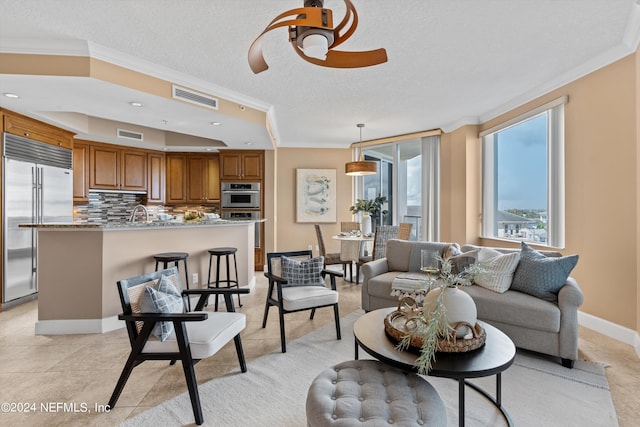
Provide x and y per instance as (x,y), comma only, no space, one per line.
(315,46)
(361,167)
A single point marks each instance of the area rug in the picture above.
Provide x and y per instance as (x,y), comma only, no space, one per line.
(536,391)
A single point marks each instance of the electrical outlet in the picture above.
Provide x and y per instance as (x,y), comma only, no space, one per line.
(195,278)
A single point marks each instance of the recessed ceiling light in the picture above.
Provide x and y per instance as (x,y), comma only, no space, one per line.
(249,143)
(216,124)
(11,95)
(135,104)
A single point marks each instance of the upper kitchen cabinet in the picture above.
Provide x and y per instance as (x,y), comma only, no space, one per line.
(193,178)
(80,172)
(243,165)
(114,168)
(27,127)
(155,177)
(176,178)
(203,179)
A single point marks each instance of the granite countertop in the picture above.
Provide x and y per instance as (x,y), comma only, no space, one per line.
(137,225)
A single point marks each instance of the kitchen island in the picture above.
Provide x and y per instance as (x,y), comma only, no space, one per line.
(79,265)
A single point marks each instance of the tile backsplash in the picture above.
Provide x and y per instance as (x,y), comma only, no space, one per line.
(104,207)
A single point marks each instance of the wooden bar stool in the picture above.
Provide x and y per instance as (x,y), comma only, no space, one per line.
(231,283)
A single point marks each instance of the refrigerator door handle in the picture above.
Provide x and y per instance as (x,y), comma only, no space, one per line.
(39,200)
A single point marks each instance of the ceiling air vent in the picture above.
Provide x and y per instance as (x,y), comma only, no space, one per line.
(129,134)
(195,97)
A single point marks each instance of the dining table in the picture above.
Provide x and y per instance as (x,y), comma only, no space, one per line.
(353,246)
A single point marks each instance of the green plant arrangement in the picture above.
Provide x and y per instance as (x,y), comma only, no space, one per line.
(372,206)
(429,322)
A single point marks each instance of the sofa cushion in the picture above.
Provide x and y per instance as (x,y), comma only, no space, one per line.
(404,255)
(380,286)
(515,308)
(542,276)
(498,272)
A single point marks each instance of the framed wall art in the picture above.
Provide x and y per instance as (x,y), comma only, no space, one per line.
(316,195)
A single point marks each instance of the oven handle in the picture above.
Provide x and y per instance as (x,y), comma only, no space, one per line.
(241,191)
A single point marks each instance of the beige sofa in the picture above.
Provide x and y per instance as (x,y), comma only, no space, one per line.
(531,323)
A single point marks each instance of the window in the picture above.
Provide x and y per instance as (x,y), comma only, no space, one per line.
(408,176)
(523,177)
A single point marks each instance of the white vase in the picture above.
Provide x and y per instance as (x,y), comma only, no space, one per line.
(459,305)
(366,224)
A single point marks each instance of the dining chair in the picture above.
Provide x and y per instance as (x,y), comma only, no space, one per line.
(380,237)
(297,283)
(349,226)
(404,231)
(160,328)
(332,258)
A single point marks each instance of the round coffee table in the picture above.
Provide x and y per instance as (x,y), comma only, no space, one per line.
(493,358)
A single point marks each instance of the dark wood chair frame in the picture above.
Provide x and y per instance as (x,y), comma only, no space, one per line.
(277,282)
(139,339)
(332,258)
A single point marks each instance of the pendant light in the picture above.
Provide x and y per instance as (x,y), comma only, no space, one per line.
(361,167)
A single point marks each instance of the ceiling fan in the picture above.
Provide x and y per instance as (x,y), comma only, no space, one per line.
(313,37)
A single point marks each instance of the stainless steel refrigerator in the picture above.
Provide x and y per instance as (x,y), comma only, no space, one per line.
(37,188)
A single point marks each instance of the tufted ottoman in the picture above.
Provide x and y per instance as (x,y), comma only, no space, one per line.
(370,393)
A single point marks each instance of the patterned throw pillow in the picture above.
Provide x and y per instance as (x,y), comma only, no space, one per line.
(303,273)
(542,276)
(498,273)
(164,299)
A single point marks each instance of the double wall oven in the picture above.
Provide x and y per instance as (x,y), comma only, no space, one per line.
(242,201)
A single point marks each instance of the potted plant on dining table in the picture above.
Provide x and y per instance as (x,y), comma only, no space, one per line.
(372,212)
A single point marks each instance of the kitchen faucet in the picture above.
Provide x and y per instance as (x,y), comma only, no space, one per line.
(132,218)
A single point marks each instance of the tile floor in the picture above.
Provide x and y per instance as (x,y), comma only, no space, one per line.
(80,371)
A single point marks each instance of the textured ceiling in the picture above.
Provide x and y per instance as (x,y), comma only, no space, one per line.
(451,62)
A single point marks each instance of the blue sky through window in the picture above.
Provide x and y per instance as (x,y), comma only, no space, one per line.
(522,165)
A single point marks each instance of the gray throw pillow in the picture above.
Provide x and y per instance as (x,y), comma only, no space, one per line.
(303,273)
(542,276)
(164,299)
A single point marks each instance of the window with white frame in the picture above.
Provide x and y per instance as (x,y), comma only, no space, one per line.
(408,176)
(523,177)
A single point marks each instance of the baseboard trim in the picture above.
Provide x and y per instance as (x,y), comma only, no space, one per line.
(78,326)
(610,329)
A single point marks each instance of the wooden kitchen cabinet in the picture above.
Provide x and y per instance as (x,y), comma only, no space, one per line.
(244,165)
(114,168)
(176,178)
(203,179)
(80,172)
(155,177)
(27,127)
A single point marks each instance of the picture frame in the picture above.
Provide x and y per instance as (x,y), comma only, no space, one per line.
(316,195)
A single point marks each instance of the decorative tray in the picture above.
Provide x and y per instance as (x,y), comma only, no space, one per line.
(395,325)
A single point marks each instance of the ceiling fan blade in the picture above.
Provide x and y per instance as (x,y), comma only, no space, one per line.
(340,38)
(304,16)
(341,59)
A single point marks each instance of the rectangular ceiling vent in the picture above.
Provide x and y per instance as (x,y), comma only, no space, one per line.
(194,97)
(129,134)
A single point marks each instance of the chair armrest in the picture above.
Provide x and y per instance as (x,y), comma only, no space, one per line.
(275,278)
(374,268)
(570,295)
(220,291)
(162,317)
(227,293)
(332,273)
